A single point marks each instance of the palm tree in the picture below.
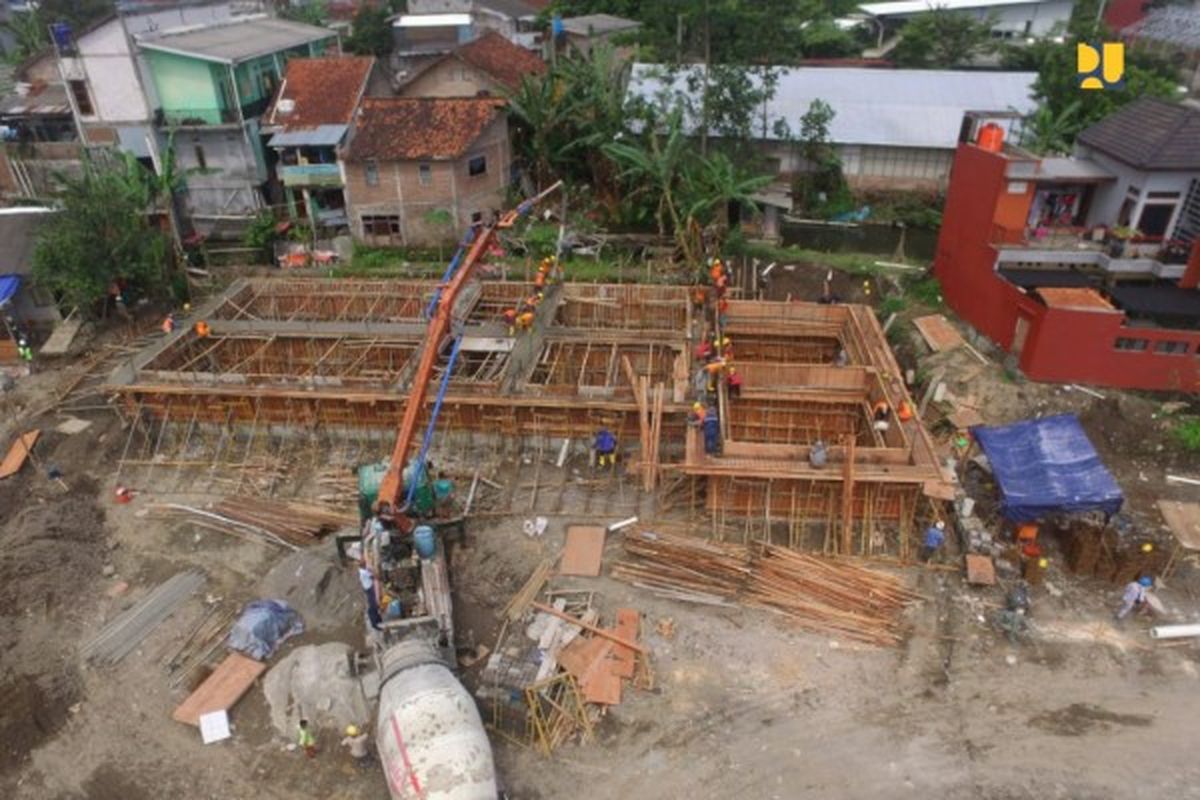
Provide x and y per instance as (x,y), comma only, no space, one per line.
(1050,133)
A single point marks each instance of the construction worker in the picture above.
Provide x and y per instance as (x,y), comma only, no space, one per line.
(704,350)
(712,432)
(1134,596)
(366,580)
(716,270)
(525,321)
(721,284)
(722,312)
(24,351)
(818,456)
(733,383)
(713,370)
(306,740)
(606,448)
(842,358)
(539,280)
(879,414)
(696,415)
(168,323)
(726,348)
(700,297)
(904,413)
(935,537)
(356,742)
(510,319)
(202,329)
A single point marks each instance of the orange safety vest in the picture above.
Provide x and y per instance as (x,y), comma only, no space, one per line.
(202,329)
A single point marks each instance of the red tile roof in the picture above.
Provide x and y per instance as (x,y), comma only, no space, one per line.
(325,91)
(497,56)
(407,128)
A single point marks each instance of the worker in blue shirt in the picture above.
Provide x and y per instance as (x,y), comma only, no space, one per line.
(712,432)
(606,448)
(935,537)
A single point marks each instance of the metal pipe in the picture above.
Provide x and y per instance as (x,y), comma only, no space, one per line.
(1174,631)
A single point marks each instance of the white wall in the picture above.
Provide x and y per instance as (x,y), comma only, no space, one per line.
(1040,18)
(105,59)
(877,165)
(1108,198)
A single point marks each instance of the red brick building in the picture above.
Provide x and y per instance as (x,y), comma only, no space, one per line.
(421,170)
(1085,269)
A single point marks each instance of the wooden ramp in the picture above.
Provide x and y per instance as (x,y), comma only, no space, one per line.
(584,550)
(61,338)
(232,678)
(938,333)
(15,459)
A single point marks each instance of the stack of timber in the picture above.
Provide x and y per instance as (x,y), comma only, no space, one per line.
(291,525)
(839,597)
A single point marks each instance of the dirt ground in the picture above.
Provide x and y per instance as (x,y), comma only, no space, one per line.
(744,705)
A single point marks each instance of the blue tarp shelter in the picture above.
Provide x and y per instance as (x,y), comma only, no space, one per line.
(9,284)
(1046,466)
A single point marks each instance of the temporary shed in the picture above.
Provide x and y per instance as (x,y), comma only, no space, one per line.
(1047,466)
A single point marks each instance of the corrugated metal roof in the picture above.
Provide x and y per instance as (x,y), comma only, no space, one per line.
(238,41)
(1174,25)
(46,100)
(598,24)
(903,7)
(320,136)
(884,107)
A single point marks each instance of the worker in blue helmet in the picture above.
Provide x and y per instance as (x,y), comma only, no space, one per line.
(1134,598)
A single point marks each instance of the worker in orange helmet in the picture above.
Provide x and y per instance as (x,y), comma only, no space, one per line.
(879,415)
(202,329)
(904,413)
(510,319)
(716,270)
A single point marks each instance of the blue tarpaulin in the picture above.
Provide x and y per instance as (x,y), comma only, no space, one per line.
(1046,466)
(9,284)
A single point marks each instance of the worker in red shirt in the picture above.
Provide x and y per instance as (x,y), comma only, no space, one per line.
(510,319)
(733,383)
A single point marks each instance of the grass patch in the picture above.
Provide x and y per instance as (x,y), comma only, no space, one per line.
(1187,434)
(926,291)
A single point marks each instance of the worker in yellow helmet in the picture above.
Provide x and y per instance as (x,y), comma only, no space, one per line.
(356,742)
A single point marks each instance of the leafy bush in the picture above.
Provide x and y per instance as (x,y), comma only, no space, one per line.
(1187,433)
(926,291)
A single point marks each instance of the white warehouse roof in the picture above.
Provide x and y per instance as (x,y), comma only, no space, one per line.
(905,7)
(885,107)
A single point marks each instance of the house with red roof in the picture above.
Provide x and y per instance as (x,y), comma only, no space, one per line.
(419,171)
(488,66)
(307,121)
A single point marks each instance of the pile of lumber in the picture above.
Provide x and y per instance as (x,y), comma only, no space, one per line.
(291,525)
(600,659)
(835,597)
(122,635)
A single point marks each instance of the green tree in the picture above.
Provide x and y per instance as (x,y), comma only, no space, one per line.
(942,39)
(103,233)
(29,36)
(442,221)
(310,12)
(821,188)
(822,38)
(370,32)
(688,190)
(1047,132)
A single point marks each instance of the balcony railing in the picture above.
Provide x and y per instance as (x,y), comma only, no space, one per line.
(310,175)
(1085,245)
(185,117)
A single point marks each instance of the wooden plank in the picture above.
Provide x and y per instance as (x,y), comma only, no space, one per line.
(629,622)
(583,550)
(980,570)
(20,450)
(964,418)
(1184,521)
(554,612)
(577,657)
(61,338)
(938,333)
(232,678)
(939,490)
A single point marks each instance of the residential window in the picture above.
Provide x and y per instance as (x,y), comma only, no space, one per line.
(1171,348)
(381,225)
(371,173)
(425,172)
(1155,219)
(83,99)
(201,160)
(1135,345)
(477,166)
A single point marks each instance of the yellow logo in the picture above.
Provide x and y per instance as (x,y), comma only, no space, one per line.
(1100,69)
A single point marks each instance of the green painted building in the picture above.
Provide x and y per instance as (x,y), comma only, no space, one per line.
(210,87)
